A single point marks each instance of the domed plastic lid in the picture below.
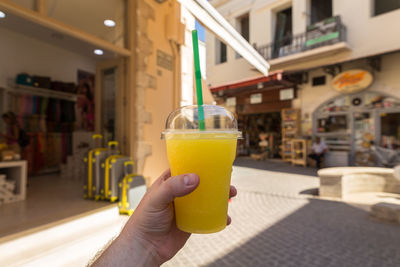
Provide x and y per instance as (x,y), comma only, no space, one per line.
(218,120)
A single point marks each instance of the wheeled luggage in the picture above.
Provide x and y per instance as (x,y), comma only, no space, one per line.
(114,172)
(132,189)
(99,166)
(89,170)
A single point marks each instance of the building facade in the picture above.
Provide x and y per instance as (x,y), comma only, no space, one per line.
(308,44)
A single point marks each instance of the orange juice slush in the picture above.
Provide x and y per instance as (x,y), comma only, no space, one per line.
(209,155)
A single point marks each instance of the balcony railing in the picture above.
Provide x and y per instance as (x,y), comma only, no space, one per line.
(327,32)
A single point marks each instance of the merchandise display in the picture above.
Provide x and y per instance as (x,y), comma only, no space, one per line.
(6,189)
(290,130)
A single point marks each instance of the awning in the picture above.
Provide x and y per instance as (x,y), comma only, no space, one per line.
(214,22)
(274,80)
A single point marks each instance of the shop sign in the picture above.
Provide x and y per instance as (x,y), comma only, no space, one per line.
(231,101)
(255,98)
(286,94)
(164,60)
(323,33)
(352,81)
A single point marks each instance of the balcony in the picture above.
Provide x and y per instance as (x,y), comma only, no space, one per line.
(321,39)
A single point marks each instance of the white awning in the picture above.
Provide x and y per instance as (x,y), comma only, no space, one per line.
(217,24)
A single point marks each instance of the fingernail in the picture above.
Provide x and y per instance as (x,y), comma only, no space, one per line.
(189,180)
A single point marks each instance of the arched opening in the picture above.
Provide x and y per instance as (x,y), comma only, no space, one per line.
(350,124)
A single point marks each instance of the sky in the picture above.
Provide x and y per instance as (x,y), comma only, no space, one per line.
(200,31)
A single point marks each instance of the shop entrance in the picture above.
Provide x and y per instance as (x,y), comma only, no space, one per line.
(353,126)
(262,134)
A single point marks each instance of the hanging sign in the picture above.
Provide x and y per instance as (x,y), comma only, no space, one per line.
(286,94)
(255,98)
(352,81)
(231,101)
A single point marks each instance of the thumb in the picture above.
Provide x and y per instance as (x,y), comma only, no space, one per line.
(173,187)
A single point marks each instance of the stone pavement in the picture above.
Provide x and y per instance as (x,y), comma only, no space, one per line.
(276,224)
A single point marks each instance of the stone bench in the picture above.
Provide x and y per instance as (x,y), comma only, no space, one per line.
(338,182)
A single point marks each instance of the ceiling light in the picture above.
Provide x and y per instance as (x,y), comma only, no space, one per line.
(2,15)
(98,52)
(109,23)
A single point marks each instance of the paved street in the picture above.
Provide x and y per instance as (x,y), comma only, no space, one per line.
(275,223)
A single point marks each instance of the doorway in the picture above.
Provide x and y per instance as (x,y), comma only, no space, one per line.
(255,125)
(111,96)
(283,31)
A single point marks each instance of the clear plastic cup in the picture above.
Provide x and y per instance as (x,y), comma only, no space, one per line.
(210,154)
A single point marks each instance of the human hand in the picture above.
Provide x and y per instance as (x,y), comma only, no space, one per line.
(151,231)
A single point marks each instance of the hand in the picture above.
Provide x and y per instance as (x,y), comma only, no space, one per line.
(151,231)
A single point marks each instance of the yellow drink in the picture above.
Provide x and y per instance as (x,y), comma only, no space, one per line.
(209,155)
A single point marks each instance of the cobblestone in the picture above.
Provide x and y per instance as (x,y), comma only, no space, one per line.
(274,225)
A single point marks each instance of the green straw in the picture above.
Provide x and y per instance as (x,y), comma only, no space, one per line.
(197,73)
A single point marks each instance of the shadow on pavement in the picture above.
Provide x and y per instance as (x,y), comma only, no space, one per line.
(310,192)
(274,165)
(321,233)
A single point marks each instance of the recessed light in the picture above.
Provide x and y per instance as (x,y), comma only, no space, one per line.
(109,23)
(98,52)
(2,15)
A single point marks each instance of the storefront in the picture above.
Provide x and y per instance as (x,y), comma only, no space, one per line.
(355,110)
(258,104)
(352,124)
(68,73)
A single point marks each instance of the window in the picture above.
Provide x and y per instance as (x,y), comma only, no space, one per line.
(283,31)
(384,6)
(243,25)
(220,52)
(320,10)
(320,80)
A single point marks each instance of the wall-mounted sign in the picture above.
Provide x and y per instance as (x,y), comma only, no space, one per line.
(352,81)
(231,101)
(255,98)
(286,94)
(164,60)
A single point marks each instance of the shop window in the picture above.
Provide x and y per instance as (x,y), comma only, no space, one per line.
(320,10)
(320,80)
(107,22)
(220,52)
(283,30)
(390,130)
(332,124)
(384,6)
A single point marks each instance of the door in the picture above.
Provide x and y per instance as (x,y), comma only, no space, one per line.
(363,138)
(111,101)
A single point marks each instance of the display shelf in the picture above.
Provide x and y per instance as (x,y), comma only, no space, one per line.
(290,129)
(299,152)
(16,171)
(42,92)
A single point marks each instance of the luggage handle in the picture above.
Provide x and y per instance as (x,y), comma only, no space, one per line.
(112,143)
(126,164)
(97,136)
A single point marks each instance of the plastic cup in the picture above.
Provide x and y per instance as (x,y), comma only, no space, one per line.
(210,154)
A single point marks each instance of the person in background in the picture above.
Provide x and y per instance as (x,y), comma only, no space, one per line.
(12,134)
(318,151)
